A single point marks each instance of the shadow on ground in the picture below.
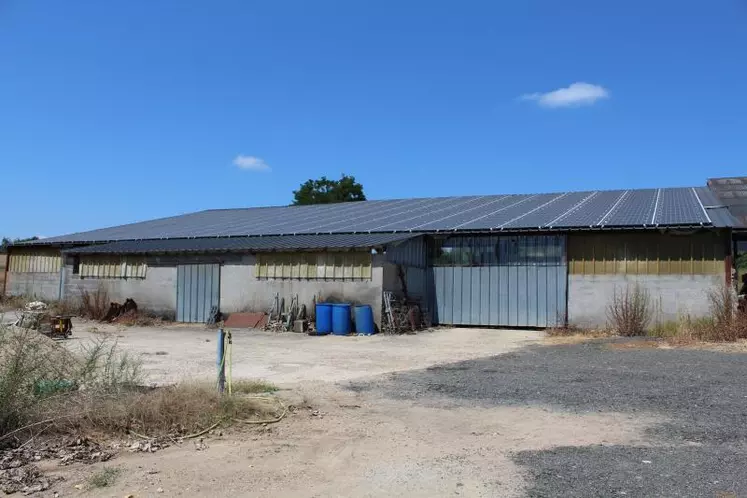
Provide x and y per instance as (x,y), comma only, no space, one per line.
(700,451)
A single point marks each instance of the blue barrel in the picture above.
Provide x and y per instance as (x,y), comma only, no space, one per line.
(341,319)
(364,322)
(323,318)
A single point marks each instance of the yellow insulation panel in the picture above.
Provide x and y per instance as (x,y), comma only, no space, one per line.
(314,266)
(35,261)
(647,253)
(113,267)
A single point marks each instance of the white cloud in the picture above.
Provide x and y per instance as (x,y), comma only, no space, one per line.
(576,94)
(251,163)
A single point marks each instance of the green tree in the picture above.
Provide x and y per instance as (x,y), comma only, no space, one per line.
(326,191)
(6,242)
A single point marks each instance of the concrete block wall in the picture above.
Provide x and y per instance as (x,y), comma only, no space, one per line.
(672,296)
(156,292)
(241,290)
(43,286)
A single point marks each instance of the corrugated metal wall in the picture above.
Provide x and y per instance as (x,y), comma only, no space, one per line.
(513,281)
(409,253)
(197,290)
(647,253)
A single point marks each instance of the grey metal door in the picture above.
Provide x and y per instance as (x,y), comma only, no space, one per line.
(511,281)
(197,290)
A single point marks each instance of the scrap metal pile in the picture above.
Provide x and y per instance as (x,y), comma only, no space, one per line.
(117,310)
(403,315)
(36,316)
(282,317)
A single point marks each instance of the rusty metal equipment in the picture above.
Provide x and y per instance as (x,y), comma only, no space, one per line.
(61,326)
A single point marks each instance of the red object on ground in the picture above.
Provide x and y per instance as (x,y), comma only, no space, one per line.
(246,320)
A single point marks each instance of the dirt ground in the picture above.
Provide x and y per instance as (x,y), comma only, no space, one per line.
(451,412)
(182,352)
(340,441)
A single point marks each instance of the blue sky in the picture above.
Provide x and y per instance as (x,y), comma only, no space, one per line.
(112,112)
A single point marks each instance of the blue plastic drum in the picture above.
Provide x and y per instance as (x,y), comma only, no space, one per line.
(364,322)
(340,319)
(323,318)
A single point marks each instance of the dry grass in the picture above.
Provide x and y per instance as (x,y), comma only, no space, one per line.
(104,478)
(94,304)
(12,303)
(630,311)
(572,334)
(248,386)
(723,324)
(173,411)
(634,344)
(100,392)
(142,318)
(65,307)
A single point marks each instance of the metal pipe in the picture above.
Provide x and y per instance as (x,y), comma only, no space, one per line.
(7,265)
(221,361)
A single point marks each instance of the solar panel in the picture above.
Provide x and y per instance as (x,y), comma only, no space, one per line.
(487,205)
(548,212)
(508,214)
(406,220)
(440,219)
(680,207)
(632,208)
(635,209)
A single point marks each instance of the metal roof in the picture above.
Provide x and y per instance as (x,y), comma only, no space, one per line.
(258,244)
(732,192)
(645,208)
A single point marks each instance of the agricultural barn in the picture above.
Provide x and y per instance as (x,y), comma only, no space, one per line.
(499,260)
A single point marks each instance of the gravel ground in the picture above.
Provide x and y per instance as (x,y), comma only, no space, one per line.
(699,448)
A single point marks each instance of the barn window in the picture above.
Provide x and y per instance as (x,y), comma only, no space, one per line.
(314,266)
(112,267)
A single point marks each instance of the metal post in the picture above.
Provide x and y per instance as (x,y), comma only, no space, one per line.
(221,363)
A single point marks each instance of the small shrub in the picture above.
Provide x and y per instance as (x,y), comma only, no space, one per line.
(104,478)
(722,305)
(27,358)
(729,324)
(94,304)
(39,377)
(104,368)
(65,307)
(630,311)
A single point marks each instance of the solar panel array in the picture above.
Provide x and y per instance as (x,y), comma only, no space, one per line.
(570,210)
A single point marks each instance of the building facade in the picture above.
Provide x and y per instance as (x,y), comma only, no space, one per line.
(504,261)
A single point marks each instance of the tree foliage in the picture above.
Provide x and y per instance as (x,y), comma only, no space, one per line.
(326,191)
(6,242)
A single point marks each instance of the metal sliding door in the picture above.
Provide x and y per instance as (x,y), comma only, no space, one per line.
(197,290)
(511,281)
